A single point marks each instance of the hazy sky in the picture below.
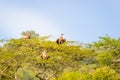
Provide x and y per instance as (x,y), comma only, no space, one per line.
(79,20)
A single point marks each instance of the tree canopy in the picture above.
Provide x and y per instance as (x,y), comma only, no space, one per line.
(20,59)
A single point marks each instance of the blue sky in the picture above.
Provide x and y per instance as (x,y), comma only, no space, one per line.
(79,20)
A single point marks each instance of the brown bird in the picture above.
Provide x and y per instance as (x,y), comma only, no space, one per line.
(60,40)
(44,55)
(26,36)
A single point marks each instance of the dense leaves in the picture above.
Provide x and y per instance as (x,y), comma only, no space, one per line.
(20,59)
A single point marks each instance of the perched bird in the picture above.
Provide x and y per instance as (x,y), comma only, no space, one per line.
(44,55)
(26,36)
(60,40)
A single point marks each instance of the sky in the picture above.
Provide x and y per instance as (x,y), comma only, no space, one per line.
(80,20)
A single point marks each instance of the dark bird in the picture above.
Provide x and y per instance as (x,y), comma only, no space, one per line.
(60,40)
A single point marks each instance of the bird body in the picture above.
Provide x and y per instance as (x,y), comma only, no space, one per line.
(60,40)
(26,36)
(44,55)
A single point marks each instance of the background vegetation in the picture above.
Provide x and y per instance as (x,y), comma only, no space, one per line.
(20,59)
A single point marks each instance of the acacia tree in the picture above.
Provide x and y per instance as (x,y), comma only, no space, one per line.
(22,56)
(25,54)
(108,52)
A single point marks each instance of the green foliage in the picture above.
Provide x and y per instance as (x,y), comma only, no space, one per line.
(20,59)
(24,74)
(102,73)
(70,76)
(104,58)
(108,44)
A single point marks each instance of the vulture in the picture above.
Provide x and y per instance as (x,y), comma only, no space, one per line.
(44,55)
(26,36)
(60,40)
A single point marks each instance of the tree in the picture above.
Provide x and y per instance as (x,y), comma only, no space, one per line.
(66,61)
